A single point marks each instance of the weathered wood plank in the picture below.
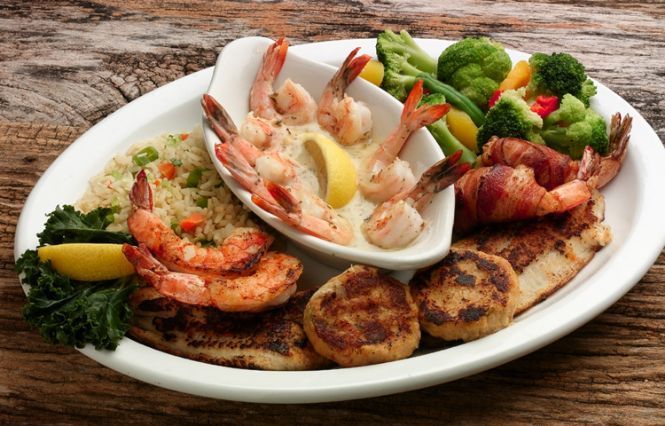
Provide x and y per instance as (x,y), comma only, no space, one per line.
(66,65)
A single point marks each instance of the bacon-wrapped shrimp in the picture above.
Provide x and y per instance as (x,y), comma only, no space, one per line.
(502,193)
(550,167)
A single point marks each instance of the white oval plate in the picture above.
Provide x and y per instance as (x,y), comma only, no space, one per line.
(635,202)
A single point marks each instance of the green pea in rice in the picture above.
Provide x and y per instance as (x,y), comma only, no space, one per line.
(173,199)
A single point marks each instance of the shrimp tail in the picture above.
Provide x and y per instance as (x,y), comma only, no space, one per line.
(293,218)
(218,118)
(141,194)
(288,210)
(445,172)
(413,117)
(185,288)
(348,72)
(241,170)
(273,60)
(283,197)
(619,138)
(589,165)
(438,177)
(140,257)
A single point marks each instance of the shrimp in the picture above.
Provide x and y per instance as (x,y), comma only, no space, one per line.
(271,283)
(291,103)
(384,174)
(551,168)
(238,252)
(346,119)
(398,221)
(261,133)
(502,193)
(266,174)
(269,164)
(325,223)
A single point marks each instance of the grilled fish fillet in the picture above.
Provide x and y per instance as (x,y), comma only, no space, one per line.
(270,340)
(546,253)
(466,295)
(362,317)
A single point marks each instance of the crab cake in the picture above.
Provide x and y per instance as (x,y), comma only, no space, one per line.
(467,295)
(362,317)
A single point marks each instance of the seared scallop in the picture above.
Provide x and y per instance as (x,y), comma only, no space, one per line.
(467,295)
(362,317)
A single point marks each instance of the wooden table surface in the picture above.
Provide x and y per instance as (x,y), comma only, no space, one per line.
(66,65)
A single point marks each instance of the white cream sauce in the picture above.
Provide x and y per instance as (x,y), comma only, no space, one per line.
(356,211)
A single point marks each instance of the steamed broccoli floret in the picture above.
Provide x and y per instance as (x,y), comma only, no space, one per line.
(404,63)
(558,74)
(573,126)
(439,129)
(475,66)
(511,116)
(402,60)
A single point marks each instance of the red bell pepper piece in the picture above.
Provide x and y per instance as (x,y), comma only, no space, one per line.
(495,97)
(545,105)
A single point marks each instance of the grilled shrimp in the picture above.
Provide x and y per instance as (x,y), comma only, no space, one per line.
(271,283)
(397,222)
(273,181)
(551,168)
(502,193)
(384,174)
(348,120)
(291,103)
(238,252)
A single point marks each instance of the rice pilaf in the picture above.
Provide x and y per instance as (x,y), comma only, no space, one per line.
(195,187)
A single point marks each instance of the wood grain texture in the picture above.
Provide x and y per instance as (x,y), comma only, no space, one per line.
(65,65)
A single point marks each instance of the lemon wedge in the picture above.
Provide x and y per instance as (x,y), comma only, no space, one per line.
(337,173)
(373,72)
(87,261)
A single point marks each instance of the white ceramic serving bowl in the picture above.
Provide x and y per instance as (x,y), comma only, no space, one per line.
(234,74)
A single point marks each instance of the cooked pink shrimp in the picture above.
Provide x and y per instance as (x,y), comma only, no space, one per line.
(259,171)
(384,174)
(271,283)
(327,224)
(398,221)
(261,133)
(238,252)
(348,120)
(291,103)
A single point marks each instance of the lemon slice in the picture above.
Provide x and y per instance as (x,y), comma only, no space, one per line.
(337,173)
(86,261)
(373,72)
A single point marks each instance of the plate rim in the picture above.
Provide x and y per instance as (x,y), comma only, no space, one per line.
(324,385)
